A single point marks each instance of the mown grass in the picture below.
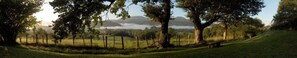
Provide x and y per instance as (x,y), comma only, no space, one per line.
(277,44)
(272,44)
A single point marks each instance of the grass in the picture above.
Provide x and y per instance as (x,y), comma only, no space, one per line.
(272,44)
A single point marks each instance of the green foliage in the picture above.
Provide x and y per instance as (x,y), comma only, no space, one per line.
(159,11)
(286,15)
(119,6)
(77,16)
(154,12)
(210,11)
(121,33)
(41,31)
(16,16)
(247,27)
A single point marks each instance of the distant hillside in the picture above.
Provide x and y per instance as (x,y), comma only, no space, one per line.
(178,21)
(109,23)
(137,20)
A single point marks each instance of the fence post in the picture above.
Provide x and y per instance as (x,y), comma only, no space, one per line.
(20,39)
(36,38)
(43,39)
(73,37)
(137,42)
(176,40)
(106,42)
(179,40)
(83,37)
(91,41)
(146,41)
(46,38)
(188,39)
(122,42)
(33,38)
(103,40)
(26,38)
(114,41)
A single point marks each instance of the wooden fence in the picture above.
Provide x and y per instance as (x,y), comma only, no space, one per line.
(104,41)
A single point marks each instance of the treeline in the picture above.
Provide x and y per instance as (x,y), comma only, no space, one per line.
(286,18)
(81,16)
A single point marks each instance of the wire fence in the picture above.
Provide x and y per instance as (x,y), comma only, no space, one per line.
(103,41)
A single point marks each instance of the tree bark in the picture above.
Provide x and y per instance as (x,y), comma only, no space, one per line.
(164,36)
(198,39)
(9,38)
(165,39)
(225,31)
(199,36)
(199,27)
(1,40)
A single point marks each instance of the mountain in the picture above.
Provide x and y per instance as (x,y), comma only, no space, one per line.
(137,20)
(180,21)
(109,23)
(177,21)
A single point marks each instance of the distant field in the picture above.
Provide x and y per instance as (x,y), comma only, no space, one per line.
(271,44)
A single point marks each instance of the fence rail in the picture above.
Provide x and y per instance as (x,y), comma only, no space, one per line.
(105,41)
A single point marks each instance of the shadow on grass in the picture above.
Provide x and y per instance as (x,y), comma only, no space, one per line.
(70,49)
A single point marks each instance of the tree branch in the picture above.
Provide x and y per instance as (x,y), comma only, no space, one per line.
(210,21)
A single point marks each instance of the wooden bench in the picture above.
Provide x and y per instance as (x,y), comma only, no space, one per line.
(214,45)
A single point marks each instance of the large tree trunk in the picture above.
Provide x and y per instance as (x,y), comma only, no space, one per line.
(1,40)
(198,35)
(198,39)
(9,38)
(164,38)
(225,31)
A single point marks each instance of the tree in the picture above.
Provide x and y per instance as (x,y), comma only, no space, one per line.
(253,26)
(77,16)
(250,23)
(210,11)
(15,17)
(286,15)
(159,11)
(247,27)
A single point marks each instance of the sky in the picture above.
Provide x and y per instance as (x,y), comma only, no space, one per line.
(47,15)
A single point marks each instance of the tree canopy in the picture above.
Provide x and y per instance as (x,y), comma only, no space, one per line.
(286,15)
(159,11)
(211,11)
(77,16)
(15,17)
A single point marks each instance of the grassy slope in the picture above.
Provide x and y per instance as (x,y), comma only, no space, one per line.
(271,44)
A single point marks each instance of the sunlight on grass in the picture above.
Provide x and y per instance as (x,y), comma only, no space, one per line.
(279,44)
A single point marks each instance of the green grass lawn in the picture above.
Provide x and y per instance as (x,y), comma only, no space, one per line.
(272,44)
